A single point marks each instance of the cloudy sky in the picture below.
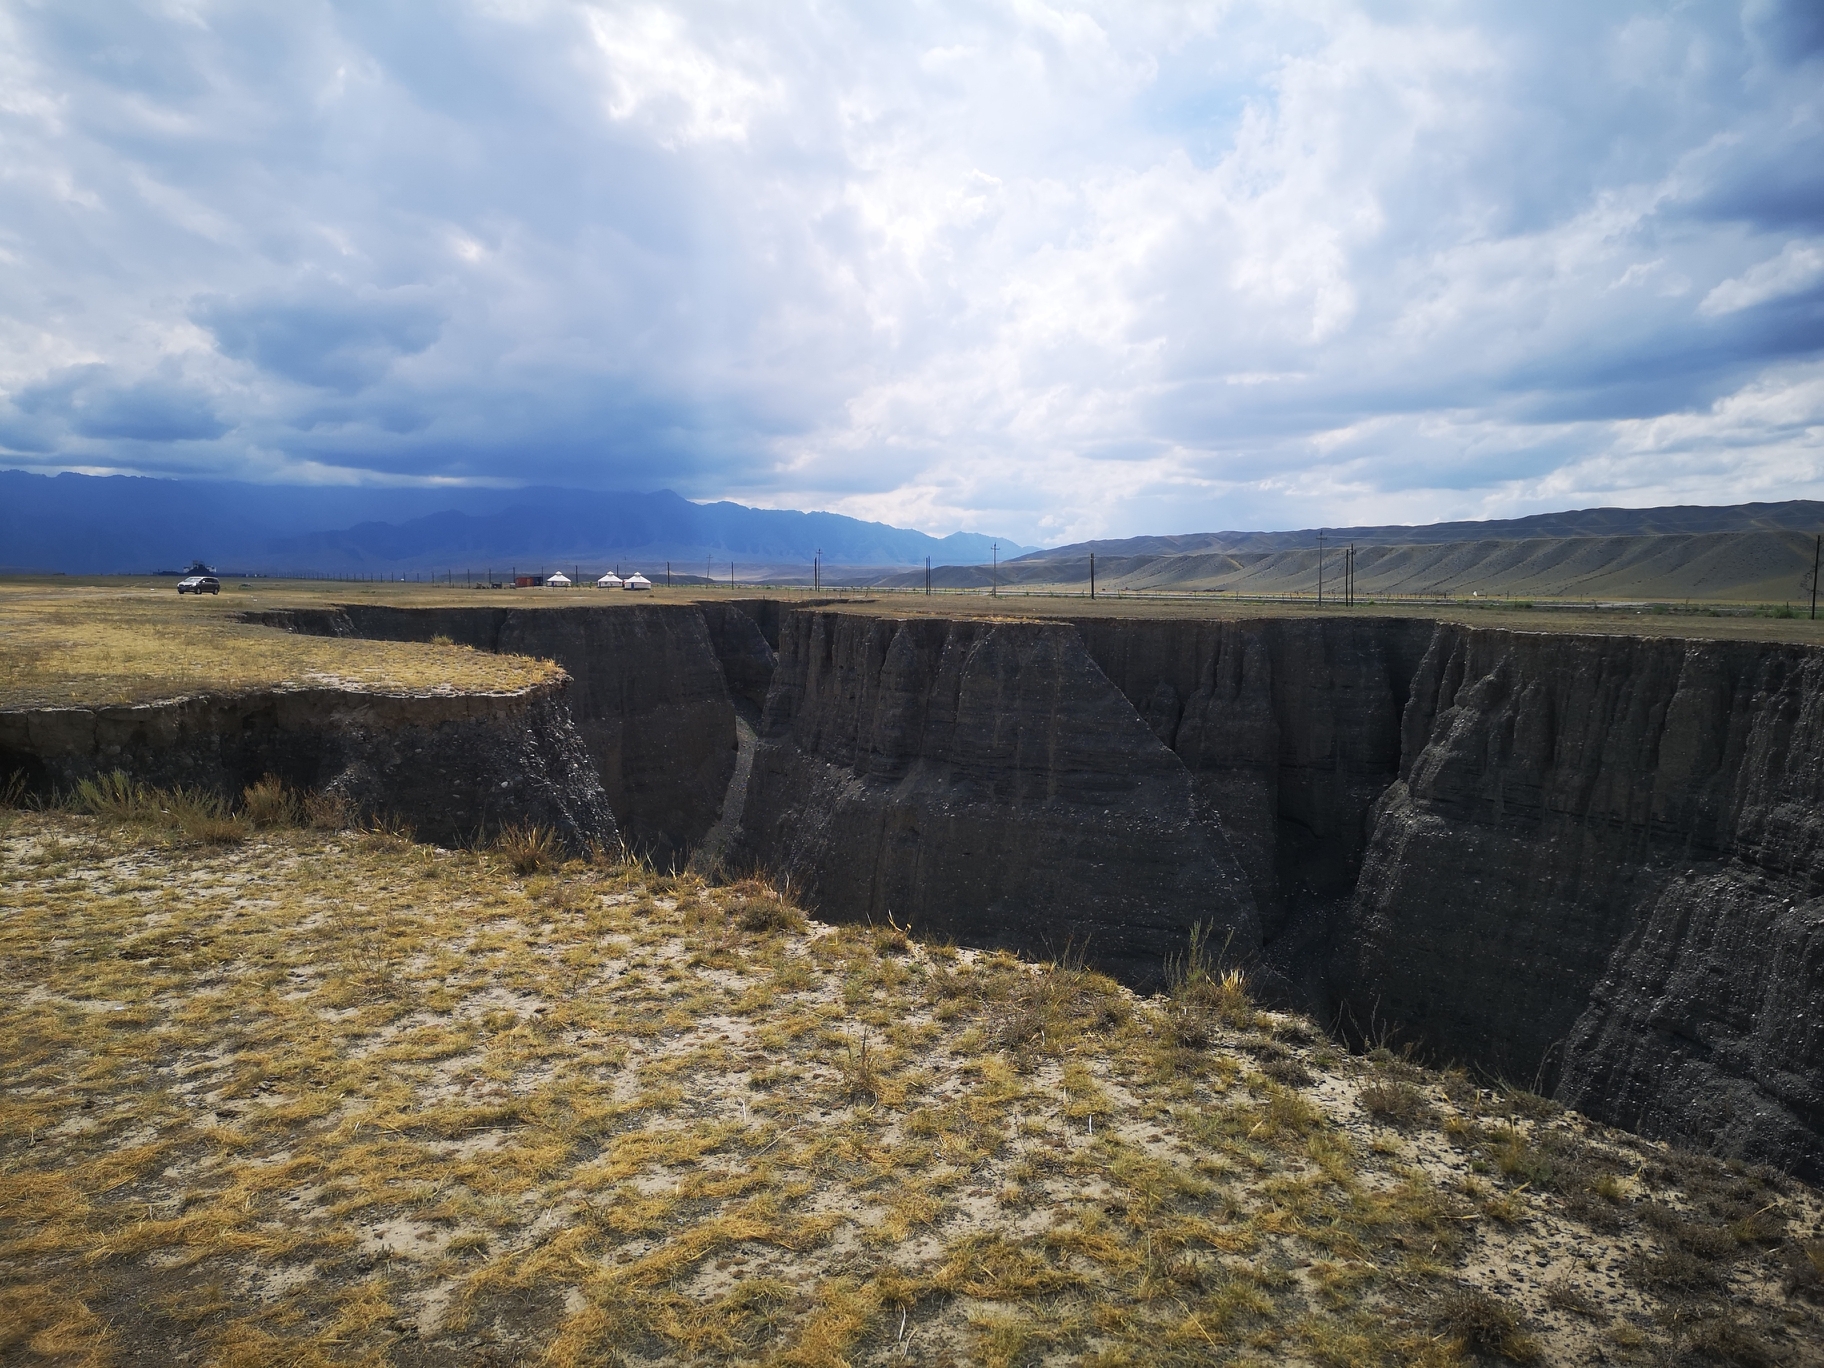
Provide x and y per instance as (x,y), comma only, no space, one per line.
(1045,270)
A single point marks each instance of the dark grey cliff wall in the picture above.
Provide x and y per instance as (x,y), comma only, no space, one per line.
(1290,731)
(453,767)
(983,779)
(648,696)
(1600,867)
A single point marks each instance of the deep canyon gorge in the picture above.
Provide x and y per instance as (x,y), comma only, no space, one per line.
(1586,864)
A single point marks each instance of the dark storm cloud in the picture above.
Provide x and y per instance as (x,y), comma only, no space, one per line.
(328,337)
(95,401)
(1062,269)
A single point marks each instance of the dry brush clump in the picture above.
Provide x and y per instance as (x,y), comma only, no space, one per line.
(326,1098)
(529,848)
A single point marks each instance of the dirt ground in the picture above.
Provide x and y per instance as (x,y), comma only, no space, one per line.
(318,1096)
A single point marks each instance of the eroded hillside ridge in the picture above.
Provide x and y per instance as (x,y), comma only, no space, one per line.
(452,767)
(650,695)
(983,779)
(1599,870)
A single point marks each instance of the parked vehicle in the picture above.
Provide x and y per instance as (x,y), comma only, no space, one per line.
(199,584)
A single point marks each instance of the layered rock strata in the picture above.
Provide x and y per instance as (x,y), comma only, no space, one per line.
(1290,731)
(452,767)
(984,780)
(1599,873)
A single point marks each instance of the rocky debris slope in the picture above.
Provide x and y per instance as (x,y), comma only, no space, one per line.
(452,767)
(985,780)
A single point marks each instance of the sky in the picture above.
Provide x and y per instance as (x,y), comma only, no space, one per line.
(1047,271)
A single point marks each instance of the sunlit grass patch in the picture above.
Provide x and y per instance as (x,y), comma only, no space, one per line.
(133,642)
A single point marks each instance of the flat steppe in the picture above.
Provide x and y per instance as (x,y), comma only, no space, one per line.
(70,641)
(92,643)
(311,1096)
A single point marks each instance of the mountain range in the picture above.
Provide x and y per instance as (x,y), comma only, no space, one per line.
(85,524)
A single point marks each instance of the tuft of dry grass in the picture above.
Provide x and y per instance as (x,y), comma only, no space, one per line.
(1395,1102)
(269,803)
(1483,1325)
(529,849)
(195,815)
(758,907)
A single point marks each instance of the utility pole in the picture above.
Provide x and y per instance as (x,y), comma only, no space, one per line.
(1092,574)
(668,574)
(994,583)
(731,574)
(1817,548)
(1320,569)
(817,570)
(927,577)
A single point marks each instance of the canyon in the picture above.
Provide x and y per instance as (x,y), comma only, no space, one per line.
(1585,864)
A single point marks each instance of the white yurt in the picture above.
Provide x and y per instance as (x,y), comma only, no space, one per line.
(637,581)
(558,581)
(609,581)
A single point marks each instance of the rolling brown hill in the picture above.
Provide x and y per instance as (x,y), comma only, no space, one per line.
(1759,565)
(1795,515)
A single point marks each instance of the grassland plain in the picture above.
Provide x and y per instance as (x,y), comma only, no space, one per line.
(282,1094)
(130,641)
(99,641)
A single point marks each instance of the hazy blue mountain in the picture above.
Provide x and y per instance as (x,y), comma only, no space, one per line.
(106,524)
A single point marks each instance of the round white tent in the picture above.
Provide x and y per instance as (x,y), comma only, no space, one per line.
(637,581)
(609,581)
(558,581)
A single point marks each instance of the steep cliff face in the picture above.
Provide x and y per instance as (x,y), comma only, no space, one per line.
(452,767)
(1290,731)
(982,779)
(648,696)
(1599,869)
(746,653)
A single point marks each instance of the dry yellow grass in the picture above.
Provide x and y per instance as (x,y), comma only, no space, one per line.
(133,642)
(328,1097)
